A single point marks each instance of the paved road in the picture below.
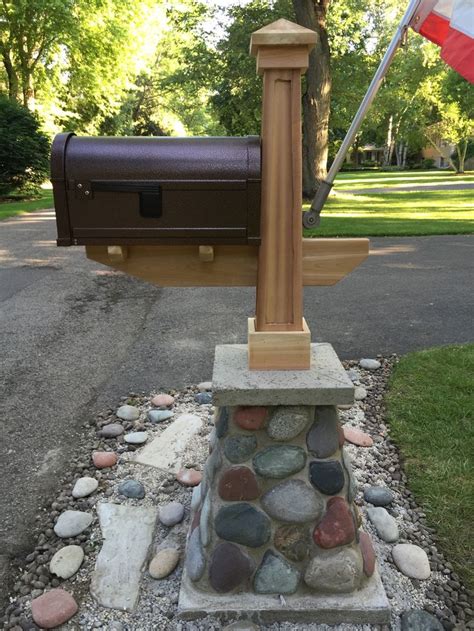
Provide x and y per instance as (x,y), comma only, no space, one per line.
(75,337)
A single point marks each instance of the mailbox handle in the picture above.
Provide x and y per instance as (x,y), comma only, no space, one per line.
(150,194)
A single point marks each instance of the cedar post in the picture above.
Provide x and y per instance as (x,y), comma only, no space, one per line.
(279,338)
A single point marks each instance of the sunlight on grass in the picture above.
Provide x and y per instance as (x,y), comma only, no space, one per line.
(43,201)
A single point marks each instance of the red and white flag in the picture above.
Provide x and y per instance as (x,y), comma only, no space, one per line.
(450,24)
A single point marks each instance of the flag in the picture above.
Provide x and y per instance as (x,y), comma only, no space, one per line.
(450,24)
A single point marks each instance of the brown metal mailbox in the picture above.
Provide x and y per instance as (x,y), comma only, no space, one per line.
(158,190)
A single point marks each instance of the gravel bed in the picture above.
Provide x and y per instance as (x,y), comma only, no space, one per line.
(442,594)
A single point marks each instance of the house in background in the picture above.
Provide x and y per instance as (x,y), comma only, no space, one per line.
(440,161)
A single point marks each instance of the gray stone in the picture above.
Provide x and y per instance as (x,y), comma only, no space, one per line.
(132,489)
(279,461)
(203,398)
(72,523)
(384,524)
(195,559)
(222,423)
(293,501)
(213,463)
(158,416)
(241,625)
(369,364)
(128,413)
(327,476)
(275,576)
(323,437)
(335,571)
(378,495)
(244,524)
(354,375)
(127,533)
(196,497)
(84,487)
(288,421)
(172,513)
(136,438)
(205,521)
(163,563)
(239,448)
(360,393)
(205,386)
(111,430)
(419,620)
(352,486)
(66,562)
(326,383)
(411,560)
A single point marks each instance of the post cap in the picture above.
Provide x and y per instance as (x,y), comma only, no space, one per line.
(282,33)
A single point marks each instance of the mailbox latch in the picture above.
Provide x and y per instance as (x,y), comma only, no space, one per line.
(150,193)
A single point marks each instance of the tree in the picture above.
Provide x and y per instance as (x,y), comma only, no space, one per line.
(453,128)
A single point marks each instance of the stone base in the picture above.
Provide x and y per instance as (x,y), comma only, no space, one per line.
(368,605)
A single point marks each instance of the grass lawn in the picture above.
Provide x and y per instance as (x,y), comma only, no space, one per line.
(10,208)
(430,411)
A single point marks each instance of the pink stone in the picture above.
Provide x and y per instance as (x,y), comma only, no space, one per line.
(368,553)
(251,417)
(104,459)
(53,608)
(162,400)
(337,526)
(357,437)
(189,477)
(237,484)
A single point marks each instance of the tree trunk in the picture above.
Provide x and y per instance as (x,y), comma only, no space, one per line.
(317,97)
(12,77)
(388,149)
(461,156)
(405,152)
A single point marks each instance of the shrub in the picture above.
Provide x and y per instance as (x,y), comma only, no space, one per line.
(427,163)
(24,149)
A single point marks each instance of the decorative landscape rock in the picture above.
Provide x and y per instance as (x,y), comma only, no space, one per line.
(251,418)
(158,416)
(244,524)
(53,608)
(172,513)
(353,374)
(292,542)
(337,526)
(203,398)
(229,567)
(104,459)
(136,438)
(292,501)
(279,461)
(370,364)
(237,484)
(335,571)
(195,559)
(196,497)
(323,437)
(162,400)
(368,553)
(163,563)
(222,423)
(275,576)
(72,523)
(419,620)
(411,560)
(213,463)
(189,477)
(384,523)
(132,489)
(360,393)
(239,448)
(112,430)
(327,476)
(205,386)
(128,413)
(205,521)
(67,561)
(287,422)
(378,495)
(352,485)
(84,487)
(357,437)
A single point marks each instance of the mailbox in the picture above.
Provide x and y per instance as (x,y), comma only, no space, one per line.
(157,190)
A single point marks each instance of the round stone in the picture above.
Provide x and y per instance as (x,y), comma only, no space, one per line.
(293,542)
(196,498)
(292,501)
(163,563)
(53,608)
(369,364)
(360,393)
(128,413)
(84,487)
(237,484)
(213,463)
(189,477)
(368,553)
(353,375)
(203,398)
(239,448)
(172,513)
(288,421)
(337,526)
(66,562)
(357,437)
(275,576)
(419,620)
(228,567)
(323,437)
(378,495)
(72,523)
(327,476)
(112,430)
(205,386)
(384,523)
(132,489)
(104,459)
(205,521)
(335,571)
(162,400)
(136,438)
(158,416)
(411,560)
(222,423)
(195,559)
(352,486)
(251,418)
(279,461)
(244,524)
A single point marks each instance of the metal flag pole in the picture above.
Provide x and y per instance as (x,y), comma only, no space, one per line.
(311,217)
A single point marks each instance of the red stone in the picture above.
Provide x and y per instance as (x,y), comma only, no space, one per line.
(189,477)
(237,484)
(104,459)
(336,528)
(162,400)
(196,520)
(229,567)
(357,437)
(368,553)
(53,608)
(251,417)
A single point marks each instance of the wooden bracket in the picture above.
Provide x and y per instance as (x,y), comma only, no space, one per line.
(206,253)
(279,350)
(117,253)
